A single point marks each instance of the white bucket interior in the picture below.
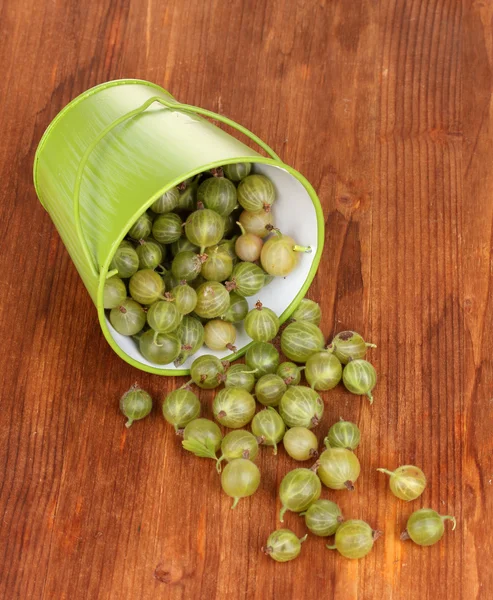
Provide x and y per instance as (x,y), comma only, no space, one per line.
(294,214)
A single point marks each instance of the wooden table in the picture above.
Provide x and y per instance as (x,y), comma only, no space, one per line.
(386,108)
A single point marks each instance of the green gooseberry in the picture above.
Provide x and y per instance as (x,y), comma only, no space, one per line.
(308,310)
(354,539)
(407,482)
(300,340)
(183,244)
(129,318)
(280,254)
(187,200)
(323,371)
(348,346)
(167,202)
(187,265)
(301,406)
(247,279)
(233,407)
(185,298)
(218,194)
(146,286)
(206,371)
(159,348)
(237,310)
(240,478)
(259,222)
(256,192)
(323,518)
(238,171)
(298,489)
(180,407)
(125,260)
(270,389)
(212,300)
(269,428)
(135,404)
(248,246)
(261,323)
(191,334)
(163,316)
(204,228)
(218,264)
(289,373)
(339,468)
(239,376)
(167,228)
(114,292)
(202,437)
(220,335)
(262,357)
(237,444)
(150,253)
(283,545)
(227,246)
(141,228)
(360,377)
(300,443)
(425,527)
(343,434)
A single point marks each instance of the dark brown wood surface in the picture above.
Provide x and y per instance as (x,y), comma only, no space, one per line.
(386,108)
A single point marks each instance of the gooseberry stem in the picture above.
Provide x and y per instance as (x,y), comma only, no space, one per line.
(242,229)
(281,514)
(304,538)
(386,471)
(154,339)
(218,463)
(315,466)
(449,518)
(306,249)
(370,397)
(129,422)
(331,547)
(368,345)
(235,503)
(275,449)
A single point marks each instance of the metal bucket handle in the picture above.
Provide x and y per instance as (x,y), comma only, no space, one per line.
(129,115)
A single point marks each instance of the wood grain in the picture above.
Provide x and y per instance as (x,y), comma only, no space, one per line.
(386,108)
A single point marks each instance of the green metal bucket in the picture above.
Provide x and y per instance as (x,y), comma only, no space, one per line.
(111,152)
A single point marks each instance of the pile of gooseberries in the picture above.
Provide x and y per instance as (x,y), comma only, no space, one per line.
(196,255)
(268,396)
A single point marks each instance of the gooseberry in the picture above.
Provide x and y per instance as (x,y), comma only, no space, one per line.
(269,428)
(183,244)
(323,518)
(407,482)
(298,489)
(206,370)
(258,222)
(159,348)
(237,310)
(308,310)
(289,373)
(360,377)
(349,345)
(233,407)
(114,292)
(261,323)
(212,300)
(141,228)
(283,545)
(240,478)
(203,438)
(237,444)
(343,434)
(180,407)
(239,376)
(125,260)
(220,335)
(323,371)
(218,194)
(191,334)
(186,265)
(248,245)
(300,443)
(270,389)
(150,253)
(128,318)
(262,358)
(247,279)
(256,192)
(339,468)
(167,202)
(354,539)
(425,527)
(167,228)
(218,264)
(238,171)
(185,298)
(300,340)
(135,404)
(163,316)
(146,286)
(301,406)
(280,254)
(204,228)
(187,200)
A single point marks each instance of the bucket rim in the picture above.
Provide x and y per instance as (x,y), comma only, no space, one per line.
(282,318)
(91,91)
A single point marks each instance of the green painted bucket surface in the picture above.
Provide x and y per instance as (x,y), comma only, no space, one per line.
(111,152)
